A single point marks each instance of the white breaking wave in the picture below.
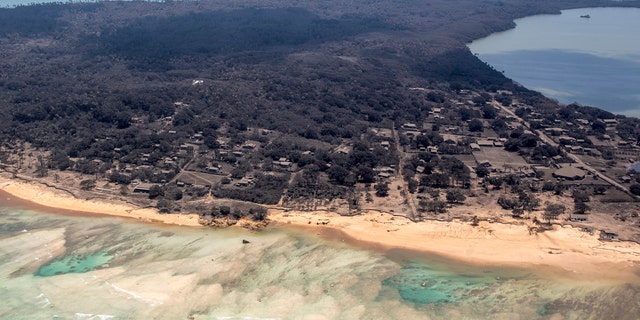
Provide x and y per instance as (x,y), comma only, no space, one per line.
(88,316)
(133,295)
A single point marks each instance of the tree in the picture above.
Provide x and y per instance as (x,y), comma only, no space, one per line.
(42,170)
(225,210)
(119,178)
(489,112)
(435,206)
(528,201)
(87,184)
(455,196)
(382,189)
(635,189)
(365,174)
(482,171)
(475,125)
(600,189)
(341,176)
(155,191)
(164,206)
(59,160)
(258,213)
(412,185)
(552,211)
(580,207)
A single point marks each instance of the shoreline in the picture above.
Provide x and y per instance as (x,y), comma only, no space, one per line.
(498,244)
(60,202)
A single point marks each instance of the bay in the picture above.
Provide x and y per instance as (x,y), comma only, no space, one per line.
(13,3)
(56,266)
(592,61)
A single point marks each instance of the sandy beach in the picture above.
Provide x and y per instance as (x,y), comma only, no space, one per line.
(56,199)
(488,243)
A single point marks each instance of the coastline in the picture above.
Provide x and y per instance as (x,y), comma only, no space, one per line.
(55,199)
(500,244)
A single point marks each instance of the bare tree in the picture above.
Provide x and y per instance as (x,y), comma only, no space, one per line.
(552,211)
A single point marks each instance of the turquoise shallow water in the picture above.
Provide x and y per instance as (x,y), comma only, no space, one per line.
(64,267)
(74,264)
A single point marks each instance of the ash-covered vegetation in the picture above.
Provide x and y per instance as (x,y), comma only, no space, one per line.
(298,107)
(227,32)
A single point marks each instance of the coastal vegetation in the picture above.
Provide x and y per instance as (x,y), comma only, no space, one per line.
(228,110)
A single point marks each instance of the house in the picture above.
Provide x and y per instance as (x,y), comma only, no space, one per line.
(143,188)
(213,169)
(410,126)
(576,217)
(555,131)
(249,146)
(485,143)
(244,182)
(283,162)
(343,150)
(608,236)
(576,149)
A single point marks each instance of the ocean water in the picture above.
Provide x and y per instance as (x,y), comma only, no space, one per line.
(594,61)
(12,3)
(69,267)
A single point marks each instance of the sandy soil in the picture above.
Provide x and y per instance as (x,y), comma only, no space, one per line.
(488,243)
(42,195)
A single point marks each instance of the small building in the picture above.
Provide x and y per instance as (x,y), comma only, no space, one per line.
(555,131)
(410,126)
(214,169)
(244,182)
(474,147)
(143,188)
(577,217)
(249,146)
(576,149)
(485,143)
(608,235)
(283,163)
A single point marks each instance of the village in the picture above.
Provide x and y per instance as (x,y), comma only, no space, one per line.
(474,155)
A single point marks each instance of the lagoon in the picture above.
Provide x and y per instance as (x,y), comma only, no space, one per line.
(56,266)
(592,61)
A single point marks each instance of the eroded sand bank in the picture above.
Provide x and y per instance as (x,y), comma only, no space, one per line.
(49,197)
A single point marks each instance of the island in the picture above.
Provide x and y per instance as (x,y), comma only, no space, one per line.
(374,120)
